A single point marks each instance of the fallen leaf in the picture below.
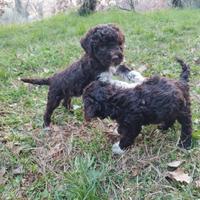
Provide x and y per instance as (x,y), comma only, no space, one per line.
(197,183)
(135,171)
(2,172)
(175,164)
(179,175)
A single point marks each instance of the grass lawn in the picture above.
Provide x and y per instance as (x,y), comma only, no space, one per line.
(74,160)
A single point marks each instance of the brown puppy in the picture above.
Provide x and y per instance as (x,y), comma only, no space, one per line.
(158,100)
(103,46)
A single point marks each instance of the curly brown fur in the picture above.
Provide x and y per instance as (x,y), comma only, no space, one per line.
(103,46)
(157,100)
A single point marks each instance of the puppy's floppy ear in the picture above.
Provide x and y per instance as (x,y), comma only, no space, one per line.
(89,39)
(86,43)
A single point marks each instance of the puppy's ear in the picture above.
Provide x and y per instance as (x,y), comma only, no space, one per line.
(86,43)
(89,39)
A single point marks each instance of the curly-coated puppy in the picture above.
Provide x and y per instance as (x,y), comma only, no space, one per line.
(158,100)
(103,46)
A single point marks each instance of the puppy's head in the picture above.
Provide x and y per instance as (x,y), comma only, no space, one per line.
(94,97)
(105,43)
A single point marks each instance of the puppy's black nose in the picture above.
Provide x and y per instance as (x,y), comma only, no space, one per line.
(116,59)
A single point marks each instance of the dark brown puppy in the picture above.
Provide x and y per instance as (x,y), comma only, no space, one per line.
(103,46)
(157,100)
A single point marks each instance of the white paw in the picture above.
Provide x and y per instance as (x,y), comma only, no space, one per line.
(104,76)
(116,149)
(120,84)
(124,85)
(135,76)
(47,128)
(76,107)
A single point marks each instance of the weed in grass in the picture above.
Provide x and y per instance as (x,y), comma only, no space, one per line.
(84,179)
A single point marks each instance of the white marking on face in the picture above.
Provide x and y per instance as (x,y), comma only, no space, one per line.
(116,149)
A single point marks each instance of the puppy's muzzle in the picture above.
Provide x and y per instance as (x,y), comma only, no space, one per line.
(117,59)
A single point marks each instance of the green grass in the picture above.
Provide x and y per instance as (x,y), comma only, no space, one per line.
(74,161)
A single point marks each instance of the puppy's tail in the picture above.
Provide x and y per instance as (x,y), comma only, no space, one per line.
(185,74)
(37,81)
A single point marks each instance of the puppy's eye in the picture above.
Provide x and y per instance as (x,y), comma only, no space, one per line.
(121,47)
(120,43)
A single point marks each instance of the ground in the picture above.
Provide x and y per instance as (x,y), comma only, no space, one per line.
(74,160)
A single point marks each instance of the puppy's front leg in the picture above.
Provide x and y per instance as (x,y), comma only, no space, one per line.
(128,136)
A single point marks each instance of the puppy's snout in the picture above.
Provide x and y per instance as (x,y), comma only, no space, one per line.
(117,58)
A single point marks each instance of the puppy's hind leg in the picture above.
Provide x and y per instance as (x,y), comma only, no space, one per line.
(186,130)
(53,102)
(67,103)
